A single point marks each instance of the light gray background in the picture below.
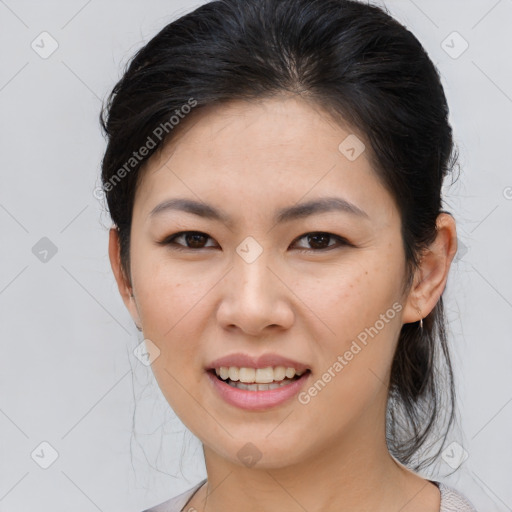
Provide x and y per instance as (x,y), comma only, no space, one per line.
(68,376)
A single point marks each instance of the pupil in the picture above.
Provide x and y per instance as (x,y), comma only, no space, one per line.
(195,238)
(317,236)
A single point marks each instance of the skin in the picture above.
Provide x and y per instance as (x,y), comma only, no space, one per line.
(250,159)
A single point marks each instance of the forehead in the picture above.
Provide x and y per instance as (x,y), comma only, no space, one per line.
(271,151)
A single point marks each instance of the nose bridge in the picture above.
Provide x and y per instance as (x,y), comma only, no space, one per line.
(252,276)
(251,264)
(254,297)
(255,277)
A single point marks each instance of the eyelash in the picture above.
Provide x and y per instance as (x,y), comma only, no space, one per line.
(169,241)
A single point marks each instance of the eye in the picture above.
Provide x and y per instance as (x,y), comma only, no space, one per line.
(319,239)
(196,240)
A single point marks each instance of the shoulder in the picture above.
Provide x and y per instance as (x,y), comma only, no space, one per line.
(178,502)
(452,500)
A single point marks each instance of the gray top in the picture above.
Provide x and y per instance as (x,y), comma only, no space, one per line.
(451,500)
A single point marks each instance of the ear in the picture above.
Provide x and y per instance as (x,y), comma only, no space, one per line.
(123,283)
(432,274)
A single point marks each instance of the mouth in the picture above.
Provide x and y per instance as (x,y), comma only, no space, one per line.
(255,395)
(245,379)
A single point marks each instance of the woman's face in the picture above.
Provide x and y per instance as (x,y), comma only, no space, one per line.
(258,286)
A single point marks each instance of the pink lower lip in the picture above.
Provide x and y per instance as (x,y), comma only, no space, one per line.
(257,400)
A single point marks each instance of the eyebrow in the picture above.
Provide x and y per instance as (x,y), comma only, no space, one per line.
(289,213)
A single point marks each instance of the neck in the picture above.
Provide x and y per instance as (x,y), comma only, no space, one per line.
(352,472)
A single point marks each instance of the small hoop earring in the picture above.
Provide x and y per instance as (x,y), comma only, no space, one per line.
(421,320)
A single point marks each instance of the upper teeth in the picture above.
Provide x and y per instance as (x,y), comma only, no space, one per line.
(258,375)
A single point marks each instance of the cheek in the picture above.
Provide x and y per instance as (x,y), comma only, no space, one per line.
(172,306)
(166,290)
(358,323)
(349,296)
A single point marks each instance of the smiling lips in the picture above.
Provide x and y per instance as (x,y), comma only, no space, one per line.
(257,383)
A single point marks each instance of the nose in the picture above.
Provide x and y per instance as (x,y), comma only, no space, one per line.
(255,298)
